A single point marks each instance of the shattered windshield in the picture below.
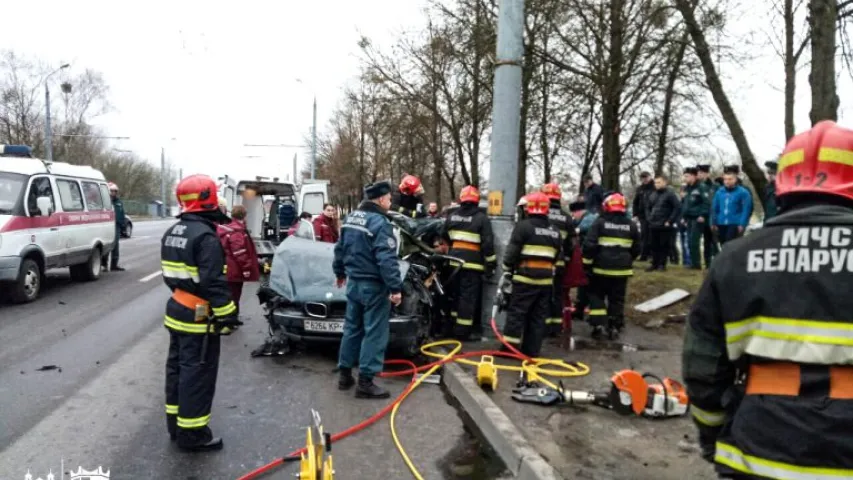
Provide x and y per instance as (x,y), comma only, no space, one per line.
(11,185)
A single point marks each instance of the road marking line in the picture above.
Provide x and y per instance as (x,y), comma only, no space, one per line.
(150,277)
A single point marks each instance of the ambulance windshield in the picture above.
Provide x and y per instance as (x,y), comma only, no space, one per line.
(11,185)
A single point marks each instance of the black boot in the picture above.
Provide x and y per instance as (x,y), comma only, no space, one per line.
(367,389)
(345,381)
(214,444)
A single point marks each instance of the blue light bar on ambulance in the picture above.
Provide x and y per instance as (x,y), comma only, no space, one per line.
(23,151)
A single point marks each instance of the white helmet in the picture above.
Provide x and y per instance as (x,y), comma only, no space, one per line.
(112,186)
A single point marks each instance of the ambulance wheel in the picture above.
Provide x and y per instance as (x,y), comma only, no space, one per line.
(28,286)
(89,271)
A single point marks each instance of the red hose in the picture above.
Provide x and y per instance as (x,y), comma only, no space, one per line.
(256,473)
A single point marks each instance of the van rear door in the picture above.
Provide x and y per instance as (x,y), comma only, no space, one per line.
(312,196)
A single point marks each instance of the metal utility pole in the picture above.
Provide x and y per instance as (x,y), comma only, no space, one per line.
(294,169)
(163,181)
(506,108)
(313,142)
(506,119)
(48,134)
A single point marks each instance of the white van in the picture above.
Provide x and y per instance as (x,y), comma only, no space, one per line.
(52,215)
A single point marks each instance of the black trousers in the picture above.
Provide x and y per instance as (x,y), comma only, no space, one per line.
(528,308)
(190,386)
(674,256)
(645,239)
(728,233)
(469,289)
(710,243)
(554,322)
(661,238)
(607,301)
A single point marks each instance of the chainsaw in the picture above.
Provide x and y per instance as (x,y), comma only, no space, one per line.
(629,393)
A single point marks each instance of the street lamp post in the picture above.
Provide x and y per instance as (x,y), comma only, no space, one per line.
(47,131)
(163,178)
(313,135)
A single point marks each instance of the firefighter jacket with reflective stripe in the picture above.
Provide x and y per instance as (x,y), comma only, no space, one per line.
(777,297)
(532,251)
(192,260)
(469,231)
(563,222)
(611,245)
(407,205)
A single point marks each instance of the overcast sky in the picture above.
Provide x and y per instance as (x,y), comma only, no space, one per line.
(217,75)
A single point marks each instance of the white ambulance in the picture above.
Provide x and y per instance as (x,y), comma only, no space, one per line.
(52,215)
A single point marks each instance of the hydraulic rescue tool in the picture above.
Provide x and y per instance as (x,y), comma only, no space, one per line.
(629,393)
(487,372)
(315,463)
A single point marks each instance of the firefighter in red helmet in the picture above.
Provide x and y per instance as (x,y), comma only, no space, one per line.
(768,362)
(408,199)
(560,219)
(529,262)
(199,310)
(469,232)
(609,250)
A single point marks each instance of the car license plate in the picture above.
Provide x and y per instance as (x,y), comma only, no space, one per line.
(330,327)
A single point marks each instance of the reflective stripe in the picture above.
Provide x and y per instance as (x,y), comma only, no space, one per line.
(464,236)
(561,263)
(359,228)
(734,458)
(612,273)
(185,327)
(473,266)
(532,281)
(564,234)
(171,409)
(238,252)
(615,242)
(553,320)
(586,261)
(790,158)
(539,251)
(835,155)
(597,312)
(179,270)
(706,417)
(227,309)
(225,269)
(796,340)
(491,258)
(453,314)
(464,321)
(187,197)
(197,422)
(509,339)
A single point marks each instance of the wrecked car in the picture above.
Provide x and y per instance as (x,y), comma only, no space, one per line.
(303,305)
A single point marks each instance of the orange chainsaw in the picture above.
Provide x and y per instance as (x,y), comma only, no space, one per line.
(629,393)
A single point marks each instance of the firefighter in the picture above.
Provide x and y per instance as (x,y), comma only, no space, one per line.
(193,265)
(408,197)
(470,232)
(529,261)
(563,222)
(609,250)
(775,310)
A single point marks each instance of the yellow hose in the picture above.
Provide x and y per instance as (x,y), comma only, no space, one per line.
(532,369)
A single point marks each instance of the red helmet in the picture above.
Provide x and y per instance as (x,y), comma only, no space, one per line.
(538,204)
(410,185)
(469,194)
(819,160)
(615,202)
(197,193)
(552,191)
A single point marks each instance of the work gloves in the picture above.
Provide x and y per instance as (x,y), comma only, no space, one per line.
(226,325)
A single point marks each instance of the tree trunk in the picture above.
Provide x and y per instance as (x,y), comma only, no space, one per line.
(543,121)
(822,23)
(703,51)
(610,124)
(669,93)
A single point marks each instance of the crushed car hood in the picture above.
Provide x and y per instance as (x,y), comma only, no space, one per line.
(302,271)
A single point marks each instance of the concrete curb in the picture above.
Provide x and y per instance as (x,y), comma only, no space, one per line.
(505,438)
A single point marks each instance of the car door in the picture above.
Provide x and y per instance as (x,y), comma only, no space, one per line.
(72,229)
(45,233)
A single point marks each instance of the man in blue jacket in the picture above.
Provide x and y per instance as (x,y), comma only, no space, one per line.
(366,261)
(732,207)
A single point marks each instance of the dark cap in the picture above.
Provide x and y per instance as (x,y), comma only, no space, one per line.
(704,168)
(645,175)
(733,169)
(772,167)
(376,190)
(577,206)
(691,170)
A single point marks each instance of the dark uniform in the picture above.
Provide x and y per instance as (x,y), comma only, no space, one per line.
(695,205)
(193,265)
(470,232)
(609,250)
(366,256)
(769,197)
(530,258)
(407,205)
(563,222)
(641,198)
(118,207)
(709,238)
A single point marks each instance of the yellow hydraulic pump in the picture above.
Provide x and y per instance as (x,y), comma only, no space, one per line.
(313,465)
(487,372)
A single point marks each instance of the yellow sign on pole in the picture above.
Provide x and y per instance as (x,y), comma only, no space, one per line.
(496,202)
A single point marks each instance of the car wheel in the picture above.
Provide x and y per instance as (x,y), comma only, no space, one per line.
(128,230)
(89,271)
(28,285)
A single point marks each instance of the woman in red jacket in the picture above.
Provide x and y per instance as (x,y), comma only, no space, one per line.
(326,225)
(241,258)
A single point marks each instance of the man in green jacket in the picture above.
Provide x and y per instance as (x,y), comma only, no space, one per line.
(710,240)
(769,200)
(118,207)
(695,213)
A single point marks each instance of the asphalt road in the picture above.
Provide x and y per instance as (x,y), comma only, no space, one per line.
(102,404)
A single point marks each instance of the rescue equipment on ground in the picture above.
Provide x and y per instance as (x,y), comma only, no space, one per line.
(487,372)
(629,393)
(315,462)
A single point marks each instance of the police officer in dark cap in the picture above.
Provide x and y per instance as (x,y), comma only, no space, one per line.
(708,241)
(769,197)
(366,262)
